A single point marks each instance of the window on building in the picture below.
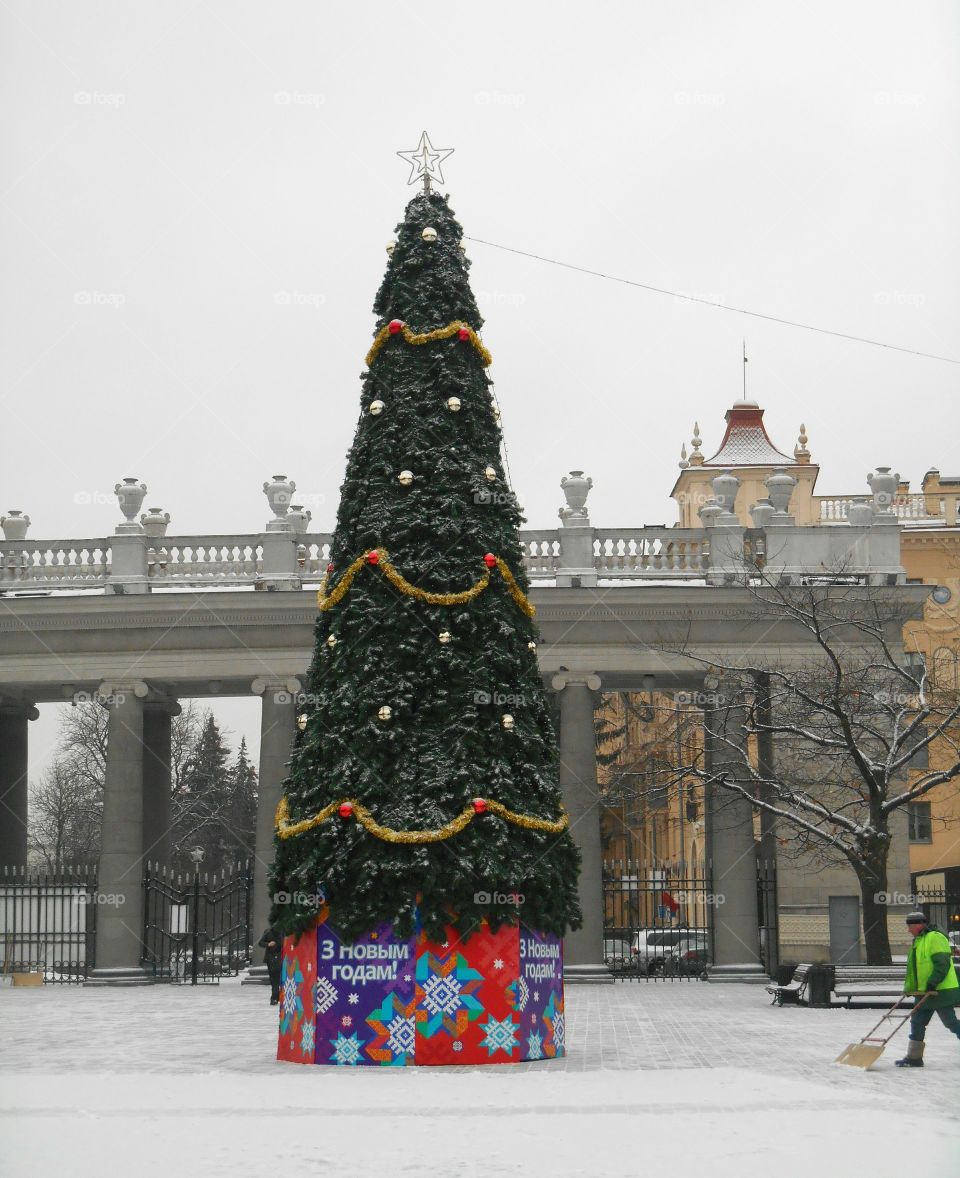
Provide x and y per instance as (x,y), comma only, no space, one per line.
(691,811)
(921,827)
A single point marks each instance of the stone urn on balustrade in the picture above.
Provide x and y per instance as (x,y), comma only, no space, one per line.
(155,522)
(884,485)
(575,489)
(279,492)
(130,495)
(15,525)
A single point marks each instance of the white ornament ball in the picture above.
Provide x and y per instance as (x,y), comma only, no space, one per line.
(463,248)
(531,646)
(391,246)
(385,713)
(376,408)
(507,721)
(491,474)
(445,636)
(332,641)
(302,721)
(405,477)
(453,404)
(429,233)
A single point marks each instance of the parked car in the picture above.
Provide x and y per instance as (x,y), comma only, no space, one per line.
(684,949)
(617,954)
(690,955)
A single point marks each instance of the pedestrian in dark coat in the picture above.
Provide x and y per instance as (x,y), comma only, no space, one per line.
(272,944)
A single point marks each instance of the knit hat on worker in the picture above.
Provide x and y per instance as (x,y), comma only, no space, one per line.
(916,918)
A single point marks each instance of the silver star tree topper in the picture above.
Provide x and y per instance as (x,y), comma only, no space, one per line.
(425,161)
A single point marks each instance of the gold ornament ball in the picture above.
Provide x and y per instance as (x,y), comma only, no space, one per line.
(376,408)
(429,233)
(332,641)
(445,636)
(453,404)
(491,474)
(531,646)
(507,721)
(302,721)
(405,477)
(385,713)
(391,246)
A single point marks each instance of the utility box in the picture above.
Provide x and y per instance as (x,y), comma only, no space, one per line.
(820,982)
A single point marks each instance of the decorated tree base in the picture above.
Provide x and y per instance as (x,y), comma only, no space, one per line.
(496,998)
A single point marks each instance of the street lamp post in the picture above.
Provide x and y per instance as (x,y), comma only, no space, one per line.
(197,856)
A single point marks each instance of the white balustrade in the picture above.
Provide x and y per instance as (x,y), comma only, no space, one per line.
(203,560)
(541,552)
(652,552)
(313,556)
(54,564)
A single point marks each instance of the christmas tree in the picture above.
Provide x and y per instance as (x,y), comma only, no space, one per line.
(423,786)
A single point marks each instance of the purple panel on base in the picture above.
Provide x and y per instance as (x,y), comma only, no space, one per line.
(365,999)
(540,995)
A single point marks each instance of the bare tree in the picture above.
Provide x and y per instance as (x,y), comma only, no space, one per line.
(833,745)
(65,815)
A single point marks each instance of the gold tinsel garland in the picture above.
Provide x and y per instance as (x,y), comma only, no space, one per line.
(327,601)
(287,829)
(426,337)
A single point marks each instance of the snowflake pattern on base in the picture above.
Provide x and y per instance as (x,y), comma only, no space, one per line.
(346,1051)
(326,995)
(501,1035)
(534,1046)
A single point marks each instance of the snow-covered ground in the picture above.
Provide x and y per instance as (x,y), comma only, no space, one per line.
(660,1079)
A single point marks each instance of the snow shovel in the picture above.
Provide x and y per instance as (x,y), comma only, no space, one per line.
(870,1047)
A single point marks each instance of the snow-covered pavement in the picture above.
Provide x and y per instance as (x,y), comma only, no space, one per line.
(659,1079)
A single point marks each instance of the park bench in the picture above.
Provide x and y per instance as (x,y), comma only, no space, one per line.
(850,983)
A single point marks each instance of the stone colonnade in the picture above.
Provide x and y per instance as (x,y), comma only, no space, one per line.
(136,822)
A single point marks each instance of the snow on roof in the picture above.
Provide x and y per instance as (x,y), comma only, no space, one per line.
(746,443)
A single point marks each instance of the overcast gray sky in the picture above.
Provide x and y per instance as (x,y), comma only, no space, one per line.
(195,198)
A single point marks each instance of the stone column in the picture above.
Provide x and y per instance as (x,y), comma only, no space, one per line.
(277,727)
(731,849)
(582,949)
(120,878)
(13,782)
(157,717)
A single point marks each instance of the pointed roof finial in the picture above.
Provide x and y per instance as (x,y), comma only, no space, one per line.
(800,451)
(683,457)
(696,458)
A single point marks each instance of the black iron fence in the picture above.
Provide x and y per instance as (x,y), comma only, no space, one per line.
(196,928)
(48,922)
(942,908)
(658,924)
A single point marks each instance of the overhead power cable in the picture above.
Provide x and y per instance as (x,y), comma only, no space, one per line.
(676,294)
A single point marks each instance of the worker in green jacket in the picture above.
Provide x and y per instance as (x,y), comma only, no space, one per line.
(931,972)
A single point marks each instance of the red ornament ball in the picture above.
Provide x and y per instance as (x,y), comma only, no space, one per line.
(480,805)
(373,557)
(346,810)
(490,560)
(330,567)
(395,326)
(464,333)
